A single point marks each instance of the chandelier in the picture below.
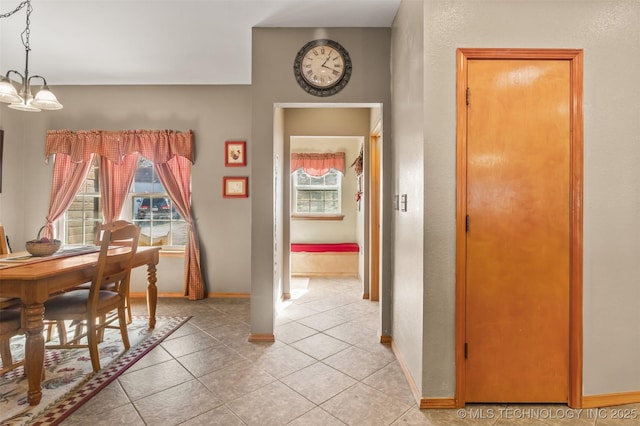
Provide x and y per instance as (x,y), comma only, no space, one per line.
(24,100)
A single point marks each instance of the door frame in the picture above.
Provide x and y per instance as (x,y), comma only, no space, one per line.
(575,58)
(375,215)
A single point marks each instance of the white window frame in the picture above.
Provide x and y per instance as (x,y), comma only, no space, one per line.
(295,187)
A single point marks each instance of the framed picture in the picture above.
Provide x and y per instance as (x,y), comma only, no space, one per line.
(235,187)
(235,153)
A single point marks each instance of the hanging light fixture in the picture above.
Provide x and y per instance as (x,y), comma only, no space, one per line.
(24,100)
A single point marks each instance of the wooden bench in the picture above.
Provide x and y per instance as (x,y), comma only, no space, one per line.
(325,259)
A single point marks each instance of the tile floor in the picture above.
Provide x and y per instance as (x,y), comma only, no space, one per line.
(325,368)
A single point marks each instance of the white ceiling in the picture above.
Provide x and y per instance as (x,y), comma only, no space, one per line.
(162,41)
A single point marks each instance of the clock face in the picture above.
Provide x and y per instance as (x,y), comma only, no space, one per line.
(322,67)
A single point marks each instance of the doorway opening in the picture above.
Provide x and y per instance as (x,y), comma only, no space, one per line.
(323,128)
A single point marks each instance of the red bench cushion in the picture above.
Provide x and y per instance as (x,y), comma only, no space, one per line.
(329,247)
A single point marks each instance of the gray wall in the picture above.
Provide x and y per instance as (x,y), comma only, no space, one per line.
(215,114)
(369,51)
(609,33)
(408,178)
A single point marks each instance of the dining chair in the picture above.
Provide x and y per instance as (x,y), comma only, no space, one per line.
(11,324)
(4,246)
(98,239)
(103,304)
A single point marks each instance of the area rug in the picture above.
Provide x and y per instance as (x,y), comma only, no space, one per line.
(69,380)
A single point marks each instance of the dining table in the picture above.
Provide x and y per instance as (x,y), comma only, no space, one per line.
(34,279)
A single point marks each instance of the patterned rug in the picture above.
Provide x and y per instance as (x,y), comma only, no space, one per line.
(69,380)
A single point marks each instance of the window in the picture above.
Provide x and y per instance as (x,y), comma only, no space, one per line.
(317,196)
(152,209)
(148,206)
(85,213)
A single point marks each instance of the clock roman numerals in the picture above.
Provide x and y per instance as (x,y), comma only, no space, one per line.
(322,67)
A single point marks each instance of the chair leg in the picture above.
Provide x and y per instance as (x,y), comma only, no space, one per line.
(5,353)
(60,327)
(128,305)
(92,340)
(122,319)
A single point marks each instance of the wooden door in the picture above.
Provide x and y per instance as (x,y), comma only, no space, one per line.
(518,236)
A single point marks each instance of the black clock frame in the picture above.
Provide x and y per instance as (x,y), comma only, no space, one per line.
(322,91)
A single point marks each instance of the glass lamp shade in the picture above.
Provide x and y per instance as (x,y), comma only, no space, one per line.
(45,99)
(8,92)
(25,105)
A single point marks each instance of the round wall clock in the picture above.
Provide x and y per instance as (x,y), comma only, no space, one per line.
(322,67)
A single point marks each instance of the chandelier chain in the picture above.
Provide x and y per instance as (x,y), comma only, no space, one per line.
(17,9)
(27,31)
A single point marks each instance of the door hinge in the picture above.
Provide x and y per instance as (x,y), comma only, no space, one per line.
(466,223)
(466,350)
(468,94)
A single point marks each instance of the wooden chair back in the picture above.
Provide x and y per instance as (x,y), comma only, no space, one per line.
(4,247)
(118,245)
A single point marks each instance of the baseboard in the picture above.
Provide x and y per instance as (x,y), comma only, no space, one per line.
(432,403)
(386,340)
(253,337)
(405,370)
(607,400)
(209,295)
(286,296)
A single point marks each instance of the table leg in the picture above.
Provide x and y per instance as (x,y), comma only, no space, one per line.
(34,351)
(152,295)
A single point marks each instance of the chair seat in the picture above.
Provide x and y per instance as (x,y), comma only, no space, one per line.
(74,302)
(10,320)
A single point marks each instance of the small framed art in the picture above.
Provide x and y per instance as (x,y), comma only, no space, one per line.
(235,187)
(235,153)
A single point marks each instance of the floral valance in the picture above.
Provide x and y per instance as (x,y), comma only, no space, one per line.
(158,146)
(317,164)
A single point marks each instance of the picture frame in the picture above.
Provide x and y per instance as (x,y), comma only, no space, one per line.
(235,186)
(235,153)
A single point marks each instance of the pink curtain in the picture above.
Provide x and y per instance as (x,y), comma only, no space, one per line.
(115,181)
(175,175)
(317,164)
(67,178)
(159,145)
(172,154)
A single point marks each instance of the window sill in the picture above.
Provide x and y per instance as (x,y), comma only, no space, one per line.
(317,217)
(171,252)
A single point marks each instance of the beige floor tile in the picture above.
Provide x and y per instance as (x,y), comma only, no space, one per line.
(320,346)
(390,380)
(156,378)
(236,380)
(292,332)
(318,382)
(316,417)
(363,405)
(210,359)
(123,415)
(356,362)
(108,399)
(177,404)
(156,356)
(218,416)
(274,404)
(190,343)
(323,321)
(283,361)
